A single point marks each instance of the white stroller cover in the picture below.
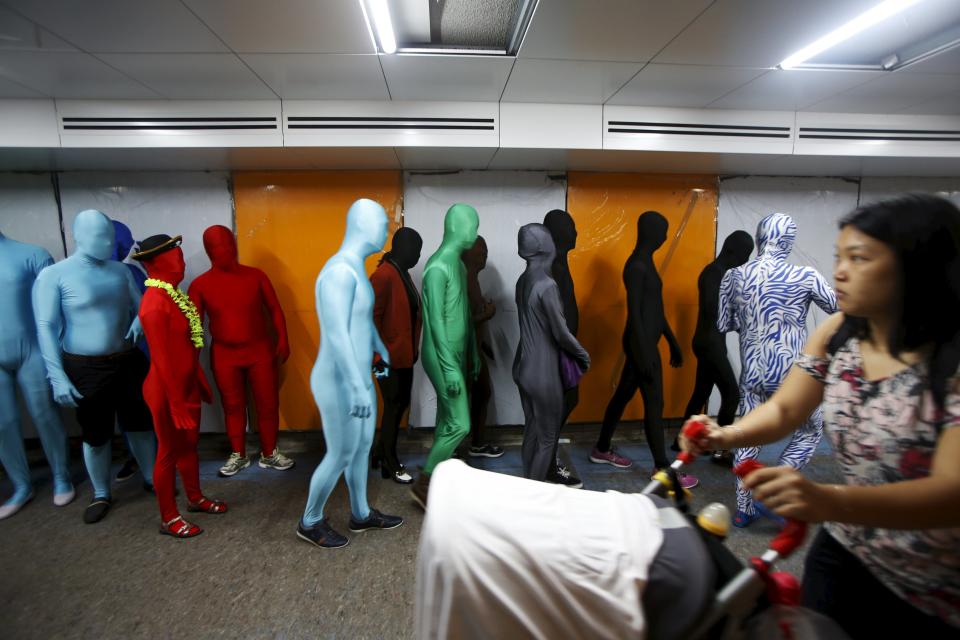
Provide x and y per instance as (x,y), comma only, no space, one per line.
(505,557)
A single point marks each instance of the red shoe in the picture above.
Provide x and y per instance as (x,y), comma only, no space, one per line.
(180,528)
(207,506)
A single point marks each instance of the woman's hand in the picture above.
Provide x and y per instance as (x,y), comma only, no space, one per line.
(787,493)
(708,442)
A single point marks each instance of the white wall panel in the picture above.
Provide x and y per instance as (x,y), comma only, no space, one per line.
(174,203)
(505,201)
(873,189)
(28,211)
(815,204)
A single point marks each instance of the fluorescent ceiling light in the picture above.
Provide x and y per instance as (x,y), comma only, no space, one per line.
(865,20)
(383,26)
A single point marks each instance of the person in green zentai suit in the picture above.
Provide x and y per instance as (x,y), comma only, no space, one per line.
(449,344)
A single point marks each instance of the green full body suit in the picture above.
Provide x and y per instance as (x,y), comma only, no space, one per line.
(449,344)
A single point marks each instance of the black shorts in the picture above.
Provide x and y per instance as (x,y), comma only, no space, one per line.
(112,390)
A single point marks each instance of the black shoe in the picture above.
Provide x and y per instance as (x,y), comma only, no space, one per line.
(127,471)
(97,510)
(486,451)
(722,457)
(375,520)
(321,535)
(675,445)
(149,489)
(562,475)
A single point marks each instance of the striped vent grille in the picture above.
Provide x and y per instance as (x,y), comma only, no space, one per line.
(346,123)
(691,129)
(892,135)
(146,123)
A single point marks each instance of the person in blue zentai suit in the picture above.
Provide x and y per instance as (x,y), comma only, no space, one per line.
(22,365)
(123,243)
(766,301)
(340,380)
(86,312)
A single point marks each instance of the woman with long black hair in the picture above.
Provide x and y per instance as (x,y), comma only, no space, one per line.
(887,560)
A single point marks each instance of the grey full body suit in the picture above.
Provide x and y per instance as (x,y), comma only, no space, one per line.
(543,334)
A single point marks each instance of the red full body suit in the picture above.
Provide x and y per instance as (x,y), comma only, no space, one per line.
(174,386)
(241,303)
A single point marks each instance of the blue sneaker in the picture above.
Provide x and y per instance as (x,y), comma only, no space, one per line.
(743,519)
(766,513)
(321,535)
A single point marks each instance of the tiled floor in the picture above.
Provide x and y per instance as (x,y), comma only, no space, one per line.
(248,575)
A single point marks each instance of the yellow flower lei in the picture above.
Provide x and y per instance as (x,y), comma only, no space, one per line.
(187,307)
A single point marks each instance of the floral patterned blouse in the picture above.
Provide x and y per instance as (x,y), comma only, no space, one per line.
(886,431)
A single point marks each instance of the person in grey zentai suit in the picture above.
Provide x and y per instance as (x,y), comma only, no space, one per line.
(543,334)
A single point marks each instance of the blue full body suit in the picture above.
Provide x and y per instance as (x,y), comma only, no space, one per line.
(22,365)
(340,380)
(766,301)
(87,305)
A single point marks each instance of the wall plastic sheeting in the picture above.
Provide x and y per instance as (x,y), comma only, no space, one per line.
(505,201)
(816,206)
(873,189)
(28,211)
(175,203)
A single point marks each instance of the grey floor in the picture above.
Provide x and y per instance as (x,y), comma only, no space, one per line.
(248,575)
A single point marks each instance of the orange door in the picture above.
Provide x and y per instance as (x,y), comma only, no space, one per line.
(605,207)
(289,224)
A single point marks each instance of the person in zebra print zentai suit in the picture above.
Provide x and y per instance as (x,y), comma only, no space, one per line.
(766,302)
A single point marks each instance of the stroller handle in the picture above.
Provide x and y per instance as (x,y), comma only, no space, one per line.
(792,534)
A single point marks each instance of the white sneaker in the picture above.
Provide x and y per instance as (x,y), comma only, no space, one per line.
(276,461)
(235,464)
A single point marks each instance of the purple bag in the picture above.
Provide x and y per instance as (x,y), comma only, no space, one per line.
(570,371)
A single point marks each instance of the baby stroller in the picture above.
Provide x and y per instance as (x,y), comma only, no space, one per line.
(505,557)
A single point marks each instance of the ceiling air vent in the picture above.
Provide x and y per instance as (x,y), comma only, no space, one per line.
(344,123)
(696,129)
(150,123)
(888,135)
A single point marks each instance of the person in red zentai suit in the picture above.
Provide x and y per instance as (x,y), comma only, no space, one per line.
(241,303)
(175,385)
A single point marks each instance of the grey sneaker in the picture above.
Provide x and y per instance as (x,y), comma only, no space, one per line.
(276,461)
(234,465)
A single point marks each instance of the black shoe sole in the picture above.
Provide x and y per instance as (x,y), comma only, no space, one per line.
(102,513)
(486,455)
(322,546)
(375,528)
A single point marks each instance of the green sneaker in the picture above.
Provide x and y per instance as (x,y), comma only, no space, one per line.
(235,464)
(276,461)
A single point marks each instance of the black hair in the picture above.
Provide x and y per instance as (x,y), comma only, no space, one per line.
(924,233)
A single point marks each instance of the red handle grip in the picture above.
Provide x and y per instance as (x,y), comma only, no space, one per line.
(692,430)
(793,532)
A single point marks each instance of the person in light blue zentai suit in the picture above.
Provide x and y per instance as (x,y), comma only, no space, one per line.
(22,365)
(86,312)
(340,380)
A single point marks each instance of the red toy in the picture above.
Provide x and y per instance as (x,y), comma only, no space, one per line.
(175,384)
(244,317)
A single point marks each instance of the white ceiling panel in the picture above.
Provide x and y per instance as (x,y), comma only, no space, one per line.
(69,75)
(790,90)
(946,62)
(617,30)
(567,81)
(11,89)
(757,33)
(668,162)
(947,105)
(320,76)
(122,26)
(672,85)
(287,26)
(192,76)
(16,32)
(814,166)
(314,158)
(444,159)
(889,93)
(467,78)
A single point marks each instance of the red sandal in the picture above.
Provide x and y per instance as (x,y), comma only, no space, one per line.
(207,506)
(180,528)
